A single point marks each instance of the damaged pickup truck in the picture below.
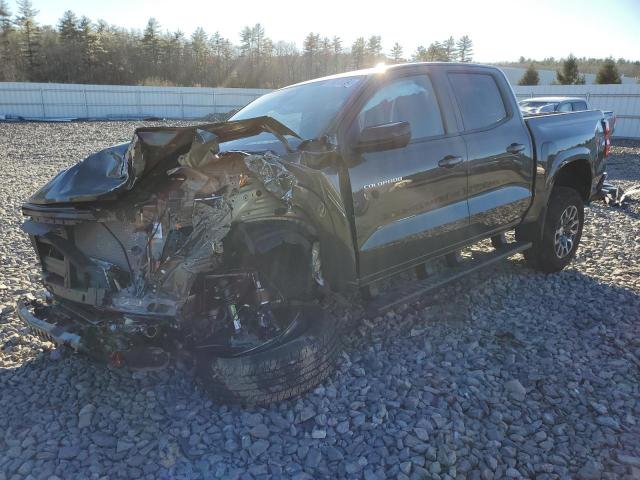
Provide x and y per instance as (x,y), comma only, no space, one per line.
(216,241)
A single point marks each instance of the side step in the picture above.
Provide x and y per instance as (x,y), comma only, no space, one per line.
(406,293)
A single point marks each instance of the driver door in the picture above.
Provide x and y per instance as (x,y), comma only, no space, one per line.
(410,202)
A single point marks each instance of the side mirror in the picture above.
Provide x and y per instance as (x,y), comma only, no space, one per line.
(383,137)
(317,145)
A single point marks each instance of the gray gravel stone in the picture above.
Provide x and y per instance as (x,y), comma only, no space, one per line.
(68,452)
(434,389)
(260,431)
(515,389)
(258,447)
(629,459)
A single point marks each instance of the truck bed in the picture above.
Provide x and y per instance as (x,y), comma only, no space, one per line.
(555,133)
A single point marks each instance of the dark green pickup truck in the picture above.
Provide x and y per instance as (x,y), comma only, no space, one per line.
(217,242)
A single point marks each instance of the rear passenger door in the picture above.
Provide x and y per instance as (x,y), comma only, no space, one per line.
(411,201)
(500,162)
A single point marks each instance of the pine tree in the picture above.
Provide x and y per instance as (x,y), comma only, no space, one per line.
(358,50)
(326,52)
(8,69)
(200,53)
(151,47)
(68,26)
(465,49)
(608,73)
(30,36)
(310,50)
(396,53)
(437,53)
(91,45)
(5,18)
(373,50)
(421,54)
(570,74)
(530,76)
(336,46)
(450,51)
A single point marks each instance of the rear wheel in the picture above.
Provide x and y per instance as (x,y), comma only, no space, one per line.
(561,233)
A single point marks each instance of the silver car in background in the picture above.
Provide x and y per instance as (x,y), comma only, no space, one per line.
(541,105)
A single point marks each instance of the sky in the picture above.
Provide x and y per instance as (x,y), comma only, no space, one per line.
(501,30)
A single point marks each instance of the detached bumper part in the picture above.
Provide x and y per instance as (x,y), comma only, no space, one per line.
(48,330)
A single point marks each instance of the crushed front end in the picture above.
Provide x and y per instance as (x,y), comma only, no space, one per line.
(145,248)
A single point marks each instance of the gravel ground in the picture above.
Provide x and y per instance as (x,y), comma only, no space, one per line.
(523,376)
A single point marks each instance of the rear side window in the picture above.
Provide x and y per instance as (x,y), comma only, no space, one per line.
(579,106)
(479,99)
(408,99)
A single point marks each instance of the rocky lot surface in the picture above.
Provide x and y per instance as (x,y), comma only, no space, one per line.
(506,374)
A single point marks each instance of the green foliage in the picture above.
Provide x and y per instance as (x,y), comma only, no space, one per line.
(358,52)
(29,38)
(8,52)
(465,49)
(608,73)
(68,27)
(396,53)
(530,76)
(570,74)
(446,51)
(80,51)
(625,67)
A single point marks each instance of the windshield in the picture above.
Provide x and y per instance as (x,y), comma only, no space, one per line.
(306,109)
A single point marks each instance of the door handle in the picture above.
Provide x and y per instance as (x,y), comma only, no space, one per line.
(450,161)
(515,148)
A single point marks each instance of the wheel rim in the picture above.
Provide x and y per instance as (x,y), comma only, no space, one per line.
(567,231)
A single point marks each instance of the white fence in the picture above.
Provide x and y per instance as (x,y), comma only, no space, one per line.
(48,101)
(624,100)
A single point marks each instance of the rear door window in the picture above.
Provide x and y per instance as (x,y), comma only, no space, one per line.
(478,98)
(407,99)
(564,107)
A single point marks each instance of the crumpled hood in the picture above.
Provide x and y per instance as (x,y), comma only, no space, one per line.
(106,174)
(99,175)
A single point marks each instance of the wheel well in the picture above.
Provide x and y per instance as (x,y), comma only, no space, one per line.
(279,251)
(576,175)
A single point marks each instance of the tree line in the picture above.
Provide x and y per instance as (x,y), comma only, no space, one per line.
(79,50)
(569,74)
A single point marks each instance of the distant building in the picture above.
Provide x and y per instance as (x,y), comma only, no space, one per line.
(547,77)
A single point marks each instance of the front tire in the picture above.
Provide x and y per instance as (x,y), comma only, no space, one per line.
(279,373)
(301,357)
(561,233)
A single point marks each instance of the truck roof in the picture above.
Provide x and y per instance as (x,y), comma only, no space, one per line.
(401,66)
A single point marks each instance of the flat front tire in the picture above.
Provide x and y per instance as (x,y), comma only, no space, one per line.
(281,372)
(299,359)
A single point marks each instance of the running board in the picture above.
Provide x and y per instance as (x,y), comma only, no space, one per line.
(404,294)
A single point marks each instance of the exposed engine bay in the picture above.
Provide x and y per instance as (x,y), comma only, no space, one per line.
(130,273)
